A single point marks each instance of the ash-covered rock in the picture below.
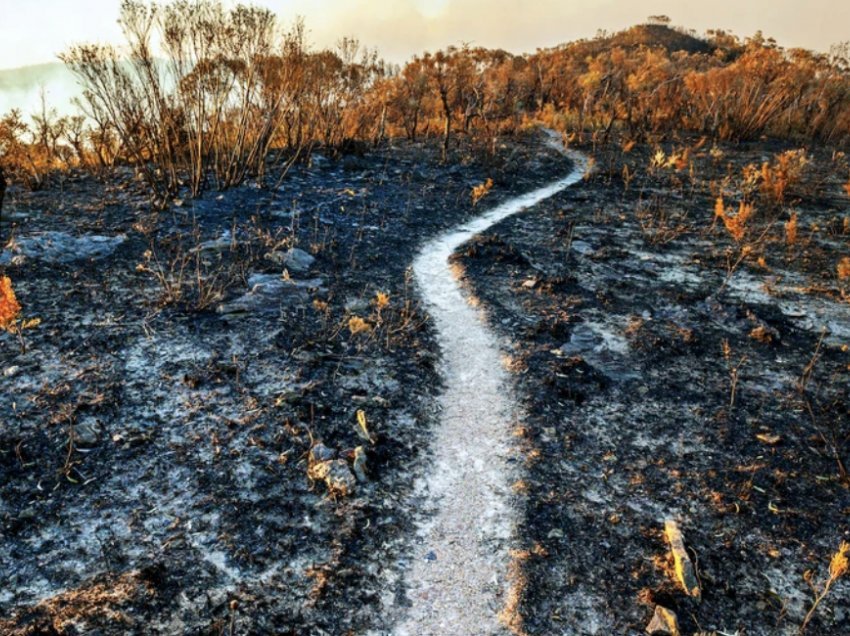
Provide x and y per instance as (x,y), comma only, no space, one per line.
(61,247)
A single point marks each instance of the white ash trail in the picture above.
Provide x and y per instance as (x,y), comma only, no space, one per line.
(457,577)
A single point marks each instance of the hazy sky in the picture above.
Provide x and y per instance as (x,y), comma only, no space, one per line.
(34,31)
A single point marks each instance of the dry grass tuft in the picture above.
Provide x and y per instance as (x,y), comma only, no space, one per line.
(67,613)
(843,269)
(736,225)
(791,230)
(482,190)
(762,335)
(357,325)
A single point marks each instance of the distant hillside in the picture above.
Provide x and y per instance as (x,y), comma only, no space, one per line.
(647,35)
(21,87)
(657,35)
(30,76)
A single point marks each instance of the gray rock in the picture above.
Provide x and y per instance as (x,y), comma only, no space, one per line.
(582,247)
(357,305)
(269,291)
(276,257)
(60,247)
(87,434)
(321,453)
(275,284)
(602,348)
(246,304)
(221,244)
(297,260)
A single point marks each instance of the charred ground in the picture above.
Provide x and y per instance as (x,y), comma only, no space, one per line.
(154,452)
(658,385)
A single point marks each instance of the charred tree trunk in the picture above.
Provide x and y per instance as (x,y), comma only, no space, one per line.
(447,114)
(2,196)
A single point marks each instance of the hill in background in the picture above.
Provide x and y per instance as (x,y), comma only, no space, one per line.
(21,87)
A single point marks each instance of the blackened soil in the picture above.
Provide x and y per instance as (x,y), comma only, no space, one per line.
(154,437)
(654,390)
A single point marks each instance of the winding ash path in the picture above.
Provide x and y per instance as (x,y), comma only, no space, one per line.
(456,581)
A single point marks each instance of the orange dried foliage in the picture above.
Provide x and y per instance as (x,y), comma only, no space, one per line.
(9,305)
(357,325)
(736,225)
(719,208)
(839,565)
(481,191)
(382,300)
(785,171)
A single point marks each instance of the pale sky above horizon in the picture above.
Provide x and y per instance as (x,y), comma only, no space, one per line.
(35,31)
